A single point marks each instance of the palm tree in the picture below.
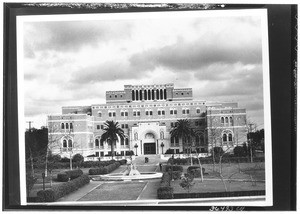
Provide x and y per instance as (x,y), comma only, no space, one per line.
(112,132)
(184,131)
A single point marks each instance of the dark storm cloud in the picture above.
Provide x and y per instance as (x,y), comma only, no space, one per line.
(195,55)
(70,36)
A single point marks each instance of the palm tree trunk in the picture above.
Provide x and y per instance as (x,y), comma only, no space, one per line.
(112,149)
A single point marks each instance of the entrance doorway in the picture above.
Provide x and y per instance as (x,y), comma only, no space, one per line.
(149,148)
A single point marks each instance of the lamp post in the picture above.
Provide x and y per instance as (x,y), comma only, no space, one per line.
(162,147)
(136,146)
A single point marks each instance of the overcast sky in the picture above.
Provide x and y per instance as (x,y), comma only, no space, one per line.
(74,62)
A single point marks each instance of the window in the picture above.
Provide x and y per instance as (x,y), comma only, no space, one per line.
(198,111)
(150,112)
(65,144)
(222,120)
(97,142)
(70,144)
(122,114)
(98,126)
(109,114)
(171,111)
(224,137)
(138,113)
(62,126)
(230,137)
(226,120)
(126,142)
(147,113)
(159,112)
(101,143)
(134,113)
(183,111)
(101,154)
(196,123)
(67,125)
(99,114)
(97,154)
(122,141)
(122,153)
(102,126)
(122,126)
(188,111)
(175,111)
(163,112)
(230,120)
(71,126)
(126,126)
(114,114)
(126,113)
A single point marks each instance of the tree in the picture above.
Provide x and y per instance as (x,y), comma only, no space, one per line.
(112,132)
(78,159)
(184,131)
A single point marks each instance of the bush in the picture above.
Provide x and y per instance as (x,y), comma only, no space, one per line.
(165,192)
(78,158)
(30,181)
(74,173)
(176,175)
(128,153)
(165,179)
(123,161)
(169,151)
(175,168)
(193,168)
(58,191)
(65,159)
(96,171)
(63,177)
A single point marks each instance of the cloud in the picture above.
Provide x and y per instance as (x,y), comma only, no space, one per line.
(70,36)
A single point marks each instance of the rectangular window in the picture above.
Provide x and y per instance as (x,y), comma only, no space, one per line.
(126,126)
(175,111)
(171,111)
(150,112)
(97,154)
(122,153)
(122,126)
(101,142)
(188,111)
(134,113)
(183,111)
(138,113)
(163,112)
(126,113)
(102,126)
(98,126)
(122,114)
(101,154)
(198,111)
(147,113)
(159,112)
(114,114)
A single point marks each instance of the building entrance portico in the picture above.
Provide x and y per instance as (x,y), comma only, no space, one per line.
(149,148)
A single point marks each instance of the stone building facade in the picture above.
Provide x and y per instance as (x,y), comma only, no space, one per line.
(146,113)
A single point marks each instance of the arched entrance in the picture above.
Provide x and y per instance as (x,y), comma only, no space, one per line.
(149,144)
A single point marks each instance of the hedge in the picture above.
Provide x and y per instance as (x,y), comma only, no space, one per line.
(196,171)
(104,170)
(69,175)
(219,194)
(58,191)
(165,191)
(174,167)
(74,173)
(209,160)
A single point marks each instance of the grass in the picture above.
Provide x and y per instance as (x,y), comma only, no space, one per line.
(115,191)
(243,177)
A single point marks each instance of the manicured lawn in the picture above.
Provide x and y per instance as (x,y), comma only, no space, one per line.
(115,191)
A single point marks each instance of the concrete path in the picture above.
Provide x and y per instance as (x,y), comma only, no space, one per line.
(149,192)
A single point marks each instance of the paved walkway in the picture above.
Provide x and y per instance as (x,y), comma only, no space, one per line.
(148,193)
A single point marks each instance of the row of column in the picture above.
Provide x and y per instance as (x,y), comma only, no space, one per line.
(154,94)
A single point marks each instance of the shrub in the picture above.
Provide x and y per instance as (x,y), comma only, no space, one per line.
(96,171)
(193,168)
(63,177)
(78,158)
(123,161)
(74,173)
(63,189)
(175,168)
(30,181)
(165,179)
(65,159)
(165,192)
(169,151)
(176,175)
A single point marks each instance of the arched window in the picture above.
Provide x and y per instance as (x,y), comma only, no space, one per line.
(101,142)
(224,137)
(197,139)
(222,120)
(141,94)
(161,94)
(172,140)
(145,95)
(149,95)
(67,125)
(126,141)
(99,114)
(153,98)
(201,139)
(65,144)
(229,137)
(165,94)
(62,126)
(133,97)
(70,143)
(97,142)
(122,141)
(177,140)
(157,94)
(71,126)
(226,120)
(231,120)
(136,95)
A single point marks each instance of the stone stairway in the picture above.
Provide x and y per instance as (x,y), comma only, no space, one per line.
(153,160)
